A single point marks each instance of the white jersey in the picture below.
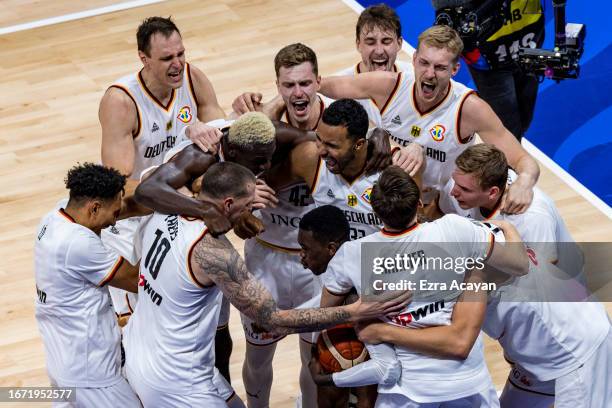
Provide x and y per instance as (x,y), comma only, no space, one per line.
(379,115)
(437,130)
(169,339)
(158,125)
(540,224)
(73,309)
(423,378)
(548,339)
(353,198)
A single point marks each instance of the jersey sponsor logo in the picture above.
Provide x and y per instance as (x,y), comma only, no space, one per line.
(42,232)
(286,220)
(366,195)
(436,154)
(155,128)
(42,296)
(153,151)
(148,289)
(184,114)
(330,194)
(351,200)
(437,133)
(415,131)
(404,319)
(396,120)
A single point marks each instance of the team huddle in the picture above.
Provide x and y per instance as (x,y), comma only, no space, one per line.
(135,276)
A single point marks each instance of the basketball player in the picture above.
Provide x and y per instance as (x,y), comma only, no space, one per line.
(73,309)
(426,381)
(322,231)
(141,116)
(440,114)
(476,190)
(181,293)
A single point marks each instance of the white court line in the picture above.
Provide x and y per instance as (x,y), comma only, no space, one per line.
(567,178)
(75,16)
(532,149)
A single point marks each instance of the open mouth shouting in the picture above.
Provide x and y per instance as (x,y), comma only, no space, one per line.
(379,63)
(428,88)
(175,76)
(300,107)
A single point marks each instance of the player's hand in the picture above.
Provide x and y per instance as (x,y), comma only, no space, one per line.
(379,151)
(248,225)
(247,102)
(217,223)
(265,196)
(370,332)
(409,158)
(205,137)
(387,304)
(316,371)
(518,198)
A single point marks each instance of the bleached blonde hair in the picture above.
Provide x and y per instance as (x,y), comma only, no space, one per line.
(250,129)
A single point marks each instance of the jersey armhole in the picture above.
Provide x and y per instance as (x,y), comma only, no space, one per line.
(134,135)
(460,140)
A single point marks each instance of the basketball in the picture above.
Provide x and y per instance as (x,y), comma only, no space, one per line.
(339,348)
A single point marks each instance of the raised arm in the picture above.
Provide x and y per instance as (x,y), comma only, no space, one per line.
(376,85)
(216,261)
(477,116)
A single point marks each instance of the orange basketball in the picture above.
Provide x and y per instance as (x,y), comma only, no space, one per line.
(339,348)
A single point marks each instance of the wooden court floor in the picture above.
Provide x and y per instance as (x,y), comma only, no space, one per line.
(51,81)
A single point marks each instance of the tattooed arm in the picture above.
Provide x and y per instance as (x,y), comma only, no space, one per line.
(216,261)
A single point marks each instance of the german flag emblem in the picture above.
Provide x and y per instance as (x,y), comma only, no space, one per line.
(351,200)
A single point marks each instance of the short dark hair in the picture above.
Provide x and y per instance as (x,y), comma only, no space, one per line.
(227,179)
(349,114)
(90,181)
(395,197)
(327,224)
(379,15)
(151,26)
(295,54)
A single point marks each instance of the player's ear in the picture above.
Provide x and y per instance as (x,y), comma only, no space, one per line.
(456,67)
(332,248)
(420,205)
(360,144)
(228,204)
(94,207)
(143,57)
(493,192)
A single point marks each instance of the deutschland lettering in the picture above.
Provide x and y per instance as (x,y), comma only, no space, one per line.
(435,154)
(153,151)
(362,218)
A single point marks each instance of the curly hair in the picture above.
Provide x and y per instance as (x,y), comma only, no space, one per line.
(327,224)
(250,129)
(349,114)
(91,181)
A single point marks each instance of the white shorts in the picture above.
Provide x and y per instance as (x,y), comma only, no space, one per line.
(484,399)
(522,389)
(589,386)
(152,397)
(117,395)
(287,280)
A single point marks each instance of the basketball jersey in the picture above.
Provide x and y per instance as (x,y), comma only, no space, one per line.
(353,198)
(423,378)
(379,114)
(169,339)
(283,222)
(437,130)
(540,226)
(73,308)
(549,339)
(158,125)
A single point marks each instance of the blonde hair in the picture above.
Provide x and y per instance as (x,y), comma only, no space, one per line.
(487,163)
(443,37)
(250,129)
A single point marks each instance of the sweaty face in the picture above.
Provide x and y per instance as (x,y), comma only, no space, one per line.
(467,191)
(234,209)
(433,70)
(298,86)
(314,255)
(378,49)
(335,147)
(258,158)
(167,59)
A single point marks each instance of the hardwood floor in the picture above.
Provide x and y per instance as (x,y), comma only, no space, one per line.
(52,80)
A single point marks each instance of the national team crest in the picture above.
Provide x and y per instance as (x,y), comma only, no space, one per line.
(351,200)
(415,131)
(184,114)
(366,195)
(437,133)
